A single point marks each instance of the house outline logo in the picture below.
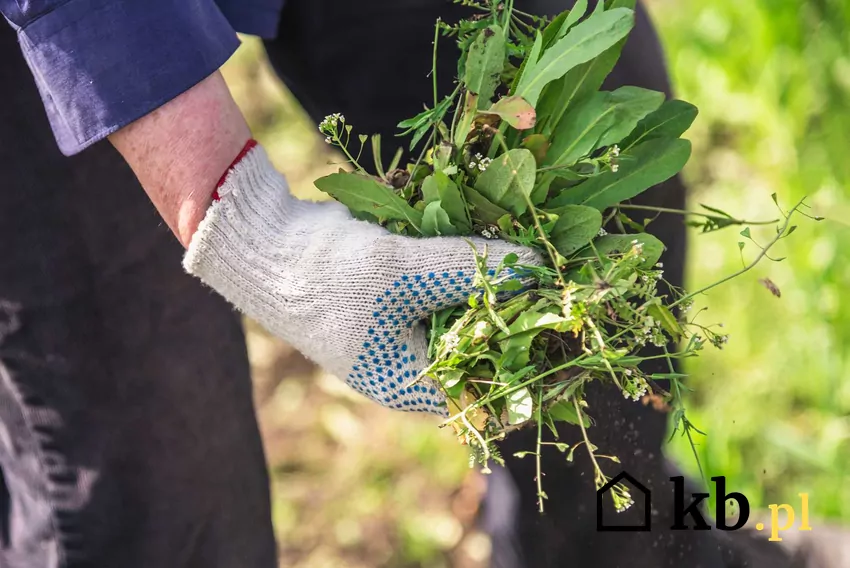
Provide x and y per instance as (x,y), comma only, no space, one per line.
(647,500)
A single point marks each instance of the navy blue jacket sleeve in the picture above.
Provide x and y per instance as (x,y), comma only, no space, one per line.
(101,64)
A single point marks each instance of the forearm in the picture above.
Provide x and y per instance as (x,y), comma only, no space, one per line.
(180,150)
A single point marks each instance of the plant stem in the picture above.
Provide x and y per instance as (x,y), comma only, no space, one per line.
(540,494)
(587,439)
(678,405)
(732,220)
(747,268)
(348,155)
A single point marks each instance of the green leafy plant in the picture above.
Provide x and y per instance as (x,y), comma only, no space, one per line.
(528,149)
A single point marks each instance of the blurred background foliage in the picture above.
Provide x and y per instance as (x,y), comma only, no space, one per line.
(358,486)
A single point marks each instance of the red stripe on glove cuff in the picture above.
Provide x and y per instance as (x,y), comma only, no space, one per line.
(249,145)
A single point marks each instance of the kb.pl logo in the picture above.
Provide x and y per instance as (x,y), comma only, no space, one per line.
(687,514)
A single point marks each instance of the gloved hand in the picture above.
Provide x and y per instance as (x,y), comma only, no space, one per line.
(346,293)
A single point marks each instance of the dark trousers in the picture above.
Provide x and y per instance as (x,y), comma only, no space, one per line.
(127,432)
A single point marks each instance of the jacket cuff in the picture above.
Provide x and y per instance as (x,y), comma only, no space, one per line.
(101,64)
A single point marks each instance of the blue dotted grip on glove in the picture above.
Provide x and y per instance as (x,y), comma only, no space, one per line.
(387,363)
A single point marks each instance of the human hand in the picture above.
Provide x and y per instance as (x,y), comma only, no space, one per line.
(346,293)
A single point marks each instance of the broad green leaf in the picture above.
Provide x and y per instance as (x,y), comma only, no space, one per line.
(360,193)
(538,145)
(666,318)
(560,96)
(509,180)
(531,320)
(516,351)
(530,59)
(651,247)
(436,222)
(577,225)
(453,203)
(582,43)
(580,130)
(553,31)
(516,346)
(640,168)
(515,111)
(520,406)
(671,120)
(485,62)
(630,105)
(470,110)
(438,187)
(602,119)
(565,411)
(579,9)
(484,211)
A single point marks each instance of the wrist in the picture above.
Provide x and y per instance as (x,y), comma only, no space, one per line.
(179,151)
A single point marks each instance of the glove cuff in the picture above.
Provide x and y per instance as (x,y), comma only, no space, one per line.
(249,145)
(251,202)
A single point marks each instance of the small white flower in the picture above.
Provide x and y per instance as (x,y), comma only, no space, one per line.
(451,340)
(615,168)
(615,150)
(601,233)
(472,165)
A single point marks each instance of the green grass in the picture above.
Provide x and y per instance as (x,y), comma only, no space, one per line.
(772,81)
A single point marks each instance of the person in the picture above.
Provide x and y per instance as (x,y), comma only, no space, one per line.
(127,432)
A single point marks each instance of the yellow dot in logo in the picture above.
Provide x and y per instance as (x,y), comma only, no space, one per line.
(759,526)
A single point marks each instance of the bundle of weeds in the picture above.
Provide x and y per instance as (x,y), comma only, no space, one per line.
(527,148)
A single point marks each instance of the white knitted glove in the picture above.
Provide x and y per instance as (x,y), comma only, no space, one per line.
(346,293)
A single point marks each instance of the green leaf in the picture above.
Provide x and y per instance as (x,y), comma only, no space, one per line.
(582,43)
(420,124)
(515,111)
(436,222)
(614,244)
(577,225)
(565,411)
(667,320)
(520,406)
(508,179)
(530,59)
(642,167)
(579,10)
(516,344)
(376,155)
(599,121)
(671,120)
(366,195)
(554,31)
(485,62)
(531,321)
(484,211)
(438,187)
(562,95)
(630,105)
(580,130)
(538,145)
